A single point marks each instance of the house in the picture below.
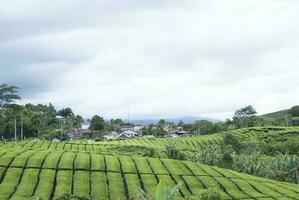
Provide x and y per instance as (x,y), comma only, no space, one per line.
(126,127)
(82,132)
(182,133)
(138,128)
(55,140)
(111,136)
(128,134)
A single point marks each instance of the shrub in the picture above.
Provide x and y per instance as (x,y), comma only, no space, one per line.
(210,194)
(72,197)
(99,188)
(173,152)
(81,183)
(45,186)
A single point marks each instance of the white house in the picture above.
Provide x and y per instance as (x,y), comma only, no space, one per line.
(111,136)
(128,134)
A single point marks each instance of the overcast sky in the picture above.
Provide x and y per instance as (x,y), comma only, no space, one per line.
(161,58)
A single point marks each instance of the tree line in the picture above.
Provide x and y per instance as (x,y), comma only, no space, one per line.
(27,121)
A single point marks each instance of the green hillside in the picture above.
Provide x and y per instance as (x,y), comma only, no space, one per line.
(118,169)
(278,117)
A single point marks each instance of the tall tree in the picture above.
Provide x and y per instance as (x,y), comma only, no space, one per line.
(162,122)
(97,123)
(14,110)
(8,94)
(66,112)
(243,116)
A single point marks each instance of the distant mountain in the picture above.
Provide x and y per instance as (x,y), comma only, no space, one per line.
(187,119)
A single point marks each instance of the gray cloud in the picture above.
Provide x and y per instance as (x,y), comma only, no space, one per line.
(160,58)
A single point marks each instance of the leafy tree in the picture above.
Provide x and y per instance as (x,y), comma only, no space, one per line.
(97,123)
(207,127)
(66,112)
(243,116)
(230,140)
(204,126)
(160,131)
(77,120)
(180,123)
(8,94)
(148,130)
(115,124)
(162,122)
(14,111)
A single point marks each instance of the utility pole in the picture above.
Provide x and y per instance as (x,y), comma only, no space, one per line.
(61,131)
(15,128)
(128,115)
(197,128)
(286,117)
(21,128)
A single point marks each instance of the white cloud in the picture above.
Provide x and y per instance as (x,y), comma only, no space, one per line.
(161,59)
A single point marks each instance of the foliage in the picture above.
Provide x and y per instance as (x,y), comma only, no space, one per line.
(210,194)
(163,192)
(204,127)
(97,123)
(210,156)
(148,130)
(230,140)
(244,116)
(115,124)
(173,152)
(8,94)
(72,197)
(162,122)
(160,131)
(279,167)
(294,111)
(66,112)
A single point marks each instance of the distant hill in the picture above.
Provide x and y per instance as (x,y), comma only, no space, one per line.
(275,117)
(187,119)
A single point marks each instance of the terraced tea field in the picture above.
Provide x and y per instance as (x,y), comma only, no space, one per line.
(47,170)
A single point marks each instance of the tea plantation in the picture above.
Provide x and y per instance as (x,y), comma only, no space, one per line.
(105,170)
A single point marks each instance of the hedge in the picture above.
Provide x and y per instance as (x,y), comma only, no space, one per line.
(46,184)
